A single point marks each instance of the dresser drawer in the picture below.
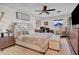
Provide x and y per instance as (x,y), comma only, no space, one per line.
(6,41)
(74,39)
(6,44)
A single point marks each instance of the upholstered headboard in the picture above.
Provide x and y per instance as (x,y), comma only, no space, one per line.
(22,28)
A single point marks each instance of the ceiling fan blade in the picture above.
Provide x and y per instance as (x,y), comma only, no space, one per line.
(44,8)
(47,12)
(40,13)
(51,10)
(38,10)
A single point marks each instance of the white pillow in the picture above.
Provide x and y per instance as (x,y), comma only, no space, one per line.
(5,34)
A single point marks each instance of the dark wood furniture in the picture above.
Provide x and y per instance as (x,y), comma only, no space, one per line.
(37,30)
(6,42)
(48,31)
(74,39)
(44,30)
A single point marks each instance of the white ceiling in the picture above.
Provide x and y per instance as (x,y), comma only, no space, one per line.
(65,8)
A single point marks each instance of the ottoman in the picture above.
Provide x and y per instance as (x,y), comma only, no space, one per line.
(54,43)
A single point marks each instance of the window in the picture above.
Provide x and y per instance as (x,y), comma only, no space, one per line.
(58,23)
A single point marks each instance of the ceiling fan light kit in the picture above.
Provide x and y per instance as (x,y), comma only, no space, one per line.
(58,11)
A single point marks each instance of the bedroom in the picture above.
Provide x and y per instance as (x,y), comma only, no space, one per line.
(32,20)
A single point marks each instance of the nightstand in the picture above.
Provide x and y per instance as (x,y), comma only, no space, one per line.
(6,42)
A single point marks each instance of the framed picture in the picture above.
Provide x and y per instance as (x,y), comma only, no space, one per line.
(45,23)
(22,16)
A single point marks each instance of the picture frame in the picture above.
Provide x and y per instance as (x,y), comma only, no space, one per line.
(22,16)
(45,23)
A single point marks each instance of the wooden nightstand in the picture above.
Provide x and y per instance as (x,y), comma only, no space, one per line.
(6,42)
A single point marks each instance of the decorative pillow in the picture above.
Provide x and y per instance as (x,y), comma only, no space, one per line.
(26,32)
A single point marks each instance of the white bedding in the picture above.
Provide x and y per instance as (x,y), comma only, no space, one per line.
(36,41)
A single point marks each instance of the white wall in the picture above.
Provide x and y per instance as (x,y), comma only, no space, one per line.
(10,17)
(50,20)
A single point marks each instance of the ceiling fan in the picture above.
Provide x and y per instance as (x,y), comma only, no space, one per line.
(45,10)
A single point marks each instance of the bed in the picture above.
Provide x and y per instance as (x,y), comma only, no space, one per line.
(35,41)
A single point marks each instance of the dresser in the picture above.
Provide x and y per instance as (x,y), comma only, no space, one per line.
(74,39)
(6,42)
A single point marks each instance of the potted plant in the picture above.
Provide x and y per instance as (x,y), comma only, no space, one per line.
(8,32)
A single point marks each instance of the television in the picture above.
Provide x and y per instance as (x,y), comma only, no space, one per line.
(75,15)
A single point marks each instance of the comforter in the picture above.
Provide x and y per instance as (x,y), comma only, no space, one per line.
(36,41)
